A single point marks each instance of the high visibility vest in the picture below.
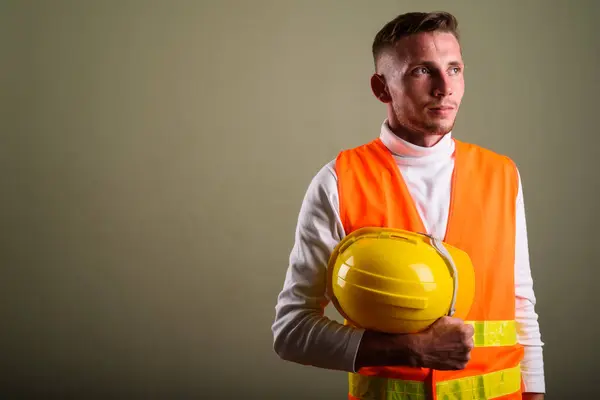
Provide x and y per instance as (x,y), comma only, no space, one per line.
(481,221)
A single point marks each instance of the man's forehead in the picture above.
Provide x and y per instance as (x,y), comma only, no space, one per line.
(428,44)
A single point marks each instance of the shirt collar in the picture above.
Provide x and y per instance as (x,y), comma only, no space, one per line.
(402,148)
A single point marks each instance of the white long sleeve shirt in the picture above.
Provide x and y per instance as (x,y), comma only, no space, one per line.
(303,334)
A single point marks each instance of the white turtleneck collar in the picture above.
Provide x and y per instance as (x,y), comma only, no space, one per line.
(407,153)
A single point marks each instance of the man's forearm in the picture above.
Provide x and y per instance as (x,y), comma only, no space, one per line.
(380,349)
(310,338)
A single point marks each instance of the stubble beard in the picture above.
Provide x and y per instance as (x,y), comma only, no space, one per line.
(424,126)
(437,129)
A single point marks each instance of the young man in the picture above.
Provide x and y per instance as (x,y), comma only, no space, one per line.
(416,176)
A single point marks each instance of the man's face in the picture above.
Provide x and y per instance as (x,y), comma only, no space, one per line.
(424,77)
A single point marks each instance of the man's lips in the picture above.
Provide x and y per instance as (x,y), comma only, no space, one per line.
(441,111)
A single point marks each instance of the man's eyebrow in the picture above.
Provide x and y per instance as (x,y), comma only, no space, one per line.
(431,64)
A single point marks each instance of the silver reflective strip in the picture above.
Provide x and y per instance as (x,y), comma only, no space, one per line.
(439,247)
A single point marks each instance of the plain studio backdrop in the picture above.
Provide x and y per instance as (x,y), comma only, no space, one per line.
(154,156)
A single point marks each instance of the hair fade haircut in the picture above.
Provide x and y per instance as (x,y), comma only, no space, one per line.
(412,23)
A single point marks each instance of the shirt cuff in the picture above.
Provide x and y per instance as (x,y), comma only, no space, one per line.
(352,349)
(534,383)
(532,370)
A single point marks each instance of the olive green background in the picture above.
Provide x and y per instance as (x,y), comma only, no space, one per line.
(154,156)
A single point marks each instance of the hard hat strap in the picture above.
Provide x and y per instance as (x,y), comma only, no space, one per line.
(439,247)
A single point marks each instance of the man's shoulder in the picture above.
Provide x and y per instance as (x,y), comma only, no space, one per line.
(362,146)
(484,153)
(357,153)
(325,179)
(327,172)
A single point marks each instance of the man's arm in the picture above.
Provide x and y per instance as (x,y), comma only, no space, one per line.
(302,333)
(528,330)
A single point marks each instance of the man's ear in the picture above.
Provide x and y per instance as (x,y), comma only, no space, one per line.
(379,88)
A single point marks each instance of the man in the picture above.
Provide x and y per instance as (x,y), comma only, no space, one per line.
(461,193)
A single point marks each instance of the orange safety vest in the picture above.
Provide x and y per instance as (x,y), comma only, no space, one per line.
(481,222)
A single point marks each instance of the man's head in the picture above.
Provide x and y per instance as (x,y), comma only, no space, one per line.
(419,75)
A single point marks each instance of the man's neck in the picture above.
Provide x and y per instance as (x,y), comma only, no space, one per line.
(417,138)
(406,149)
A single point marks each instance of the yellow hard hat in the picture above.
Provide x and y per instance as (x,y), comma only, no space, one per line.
(396,281)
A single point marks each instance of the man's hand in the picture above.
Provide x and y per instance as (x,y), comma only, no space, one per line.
(445,345)
(533,396)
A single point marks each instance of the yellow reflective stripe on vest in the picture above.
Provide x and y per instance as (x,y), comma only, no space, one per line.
(494,333)
(478,387)
(378,388)
(481,387)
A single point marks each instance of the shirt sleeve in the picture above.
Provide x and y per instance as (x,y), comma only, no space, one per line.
(528,330)
(302,333)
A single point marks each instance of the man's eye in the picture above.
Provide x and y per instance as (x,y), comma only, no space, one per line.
(421,70)
(455,70)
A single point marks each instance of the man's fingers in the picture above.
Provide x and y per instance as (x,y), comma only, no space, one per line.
(470,343)
(469,330)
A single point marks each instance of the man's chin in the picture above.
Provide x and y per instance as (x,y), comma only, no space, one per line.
(427,126)
(437,131)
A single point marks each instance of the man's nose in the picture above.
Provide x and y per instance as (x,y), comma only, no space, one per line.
(442,86)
